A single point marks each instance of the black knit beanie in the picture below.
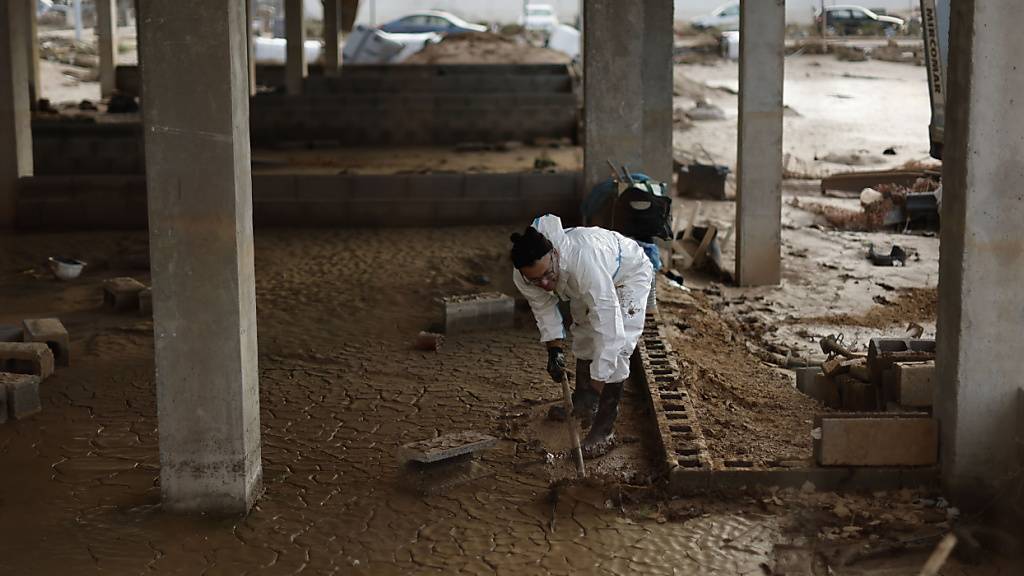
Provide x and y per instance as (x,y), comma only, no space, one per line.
(529,247)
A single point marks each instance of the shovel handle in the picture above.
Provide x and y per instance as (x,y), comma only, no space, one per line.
(574,434)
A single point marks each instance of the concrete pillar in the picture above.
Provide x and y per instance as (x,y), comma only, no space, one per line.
(15,118)
(658,39)
(627,84)
(250,45)
(34,86)
(295,33)
(332,35)
(201,249)
(613,90)
(980,356)
(106,36)
(759,157)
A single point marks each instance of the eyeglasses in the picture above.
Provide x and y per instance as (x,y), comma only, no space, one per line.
(549,276)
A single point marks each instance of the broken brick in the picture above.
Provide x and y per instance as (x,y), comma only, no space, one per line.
(50,331)
(26,358)
(122,293)
(21,394)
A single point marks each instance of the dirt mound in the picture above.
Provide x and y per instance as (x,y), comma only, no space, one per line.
(486,48)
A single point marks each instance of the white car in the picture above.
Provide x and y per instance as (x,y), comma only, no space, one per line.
(539,17)
(725,17)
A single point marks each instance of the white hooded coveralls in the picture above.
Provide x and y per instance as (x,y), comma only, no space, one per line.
(606,278)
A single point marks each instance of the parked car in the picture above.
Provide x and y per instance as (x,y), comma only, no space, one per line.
(725,17)
(539,17)
(431,21)
(846,19)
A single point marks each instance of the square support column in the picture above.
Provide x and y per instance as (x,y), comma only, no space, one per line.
(981,265)
(34,87)
(296,68)
(613,112)
(332,35)
(106,36)
(658,39)
(250,42)
(759,157)
(15,117)
(201,248)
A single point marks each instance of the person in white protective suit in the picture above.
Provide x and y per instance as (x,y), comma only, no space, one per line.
(606,277)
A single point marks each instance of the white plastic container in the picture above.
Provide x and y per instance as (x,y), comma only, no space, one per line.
(66,268)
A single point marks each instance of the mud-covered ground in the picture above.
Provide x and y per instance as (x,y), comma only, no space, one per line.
(341,389)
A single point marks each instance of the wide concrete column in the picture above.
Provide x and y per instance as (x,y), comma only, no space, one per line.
(296,67)
(759,156)
(106,36)
(201,249)
(32,54)
(658,40)
(613,112)
(980,358)
(627,84)
(332,35)
(15,118)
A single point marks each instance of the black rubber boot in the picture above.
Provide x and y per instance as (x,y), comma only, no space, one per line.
(601,436)
(584,397)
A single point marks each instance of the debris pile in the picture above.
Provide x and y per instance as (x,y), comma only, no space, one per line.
(486,48)
(884,206)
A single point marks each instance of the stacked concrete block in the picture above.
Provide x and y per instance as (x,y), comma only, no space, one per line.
(914,383)
(26,358)
(50,331)
(21,395)
(122,293)
(876,439)
(883,353)
(488,311)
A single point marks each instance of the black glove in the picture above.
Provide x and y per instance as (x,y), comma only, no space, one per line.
(556,363)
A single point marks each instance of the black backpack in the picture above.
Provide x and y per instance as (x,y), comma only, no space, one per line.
(643,211)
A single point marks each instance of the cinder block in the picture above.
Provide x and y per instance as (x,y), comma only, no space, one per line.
(447,446)
(26,358)
(122,293)
(11,333)
(855,395)
(50,331)
(21,392)
(915,383)
(805,379)
(824,390)
(876,439)
(488,311)
(146,301)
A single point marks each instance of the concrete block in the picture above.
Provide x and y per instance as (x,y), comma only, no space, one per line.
(26,358)
(876,439)
(21,392)
(447,446)
(805,379)
(488,311)
(915,383)
(50,331)
(11,333)
(824,390)
(146,301)
(122,293)
(856,395)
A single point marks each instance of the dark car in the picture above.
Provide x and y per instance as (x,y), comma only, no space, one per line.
(850,20)
(431,21)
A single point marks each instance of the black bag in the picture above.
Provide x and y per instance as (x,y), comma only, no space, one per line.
(643,211)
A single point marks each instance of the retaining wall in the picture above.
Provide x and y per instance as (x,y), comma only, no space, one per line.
(119,202)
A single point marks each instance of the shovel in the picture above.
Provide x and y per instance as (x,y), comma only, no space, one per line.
(574,434)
